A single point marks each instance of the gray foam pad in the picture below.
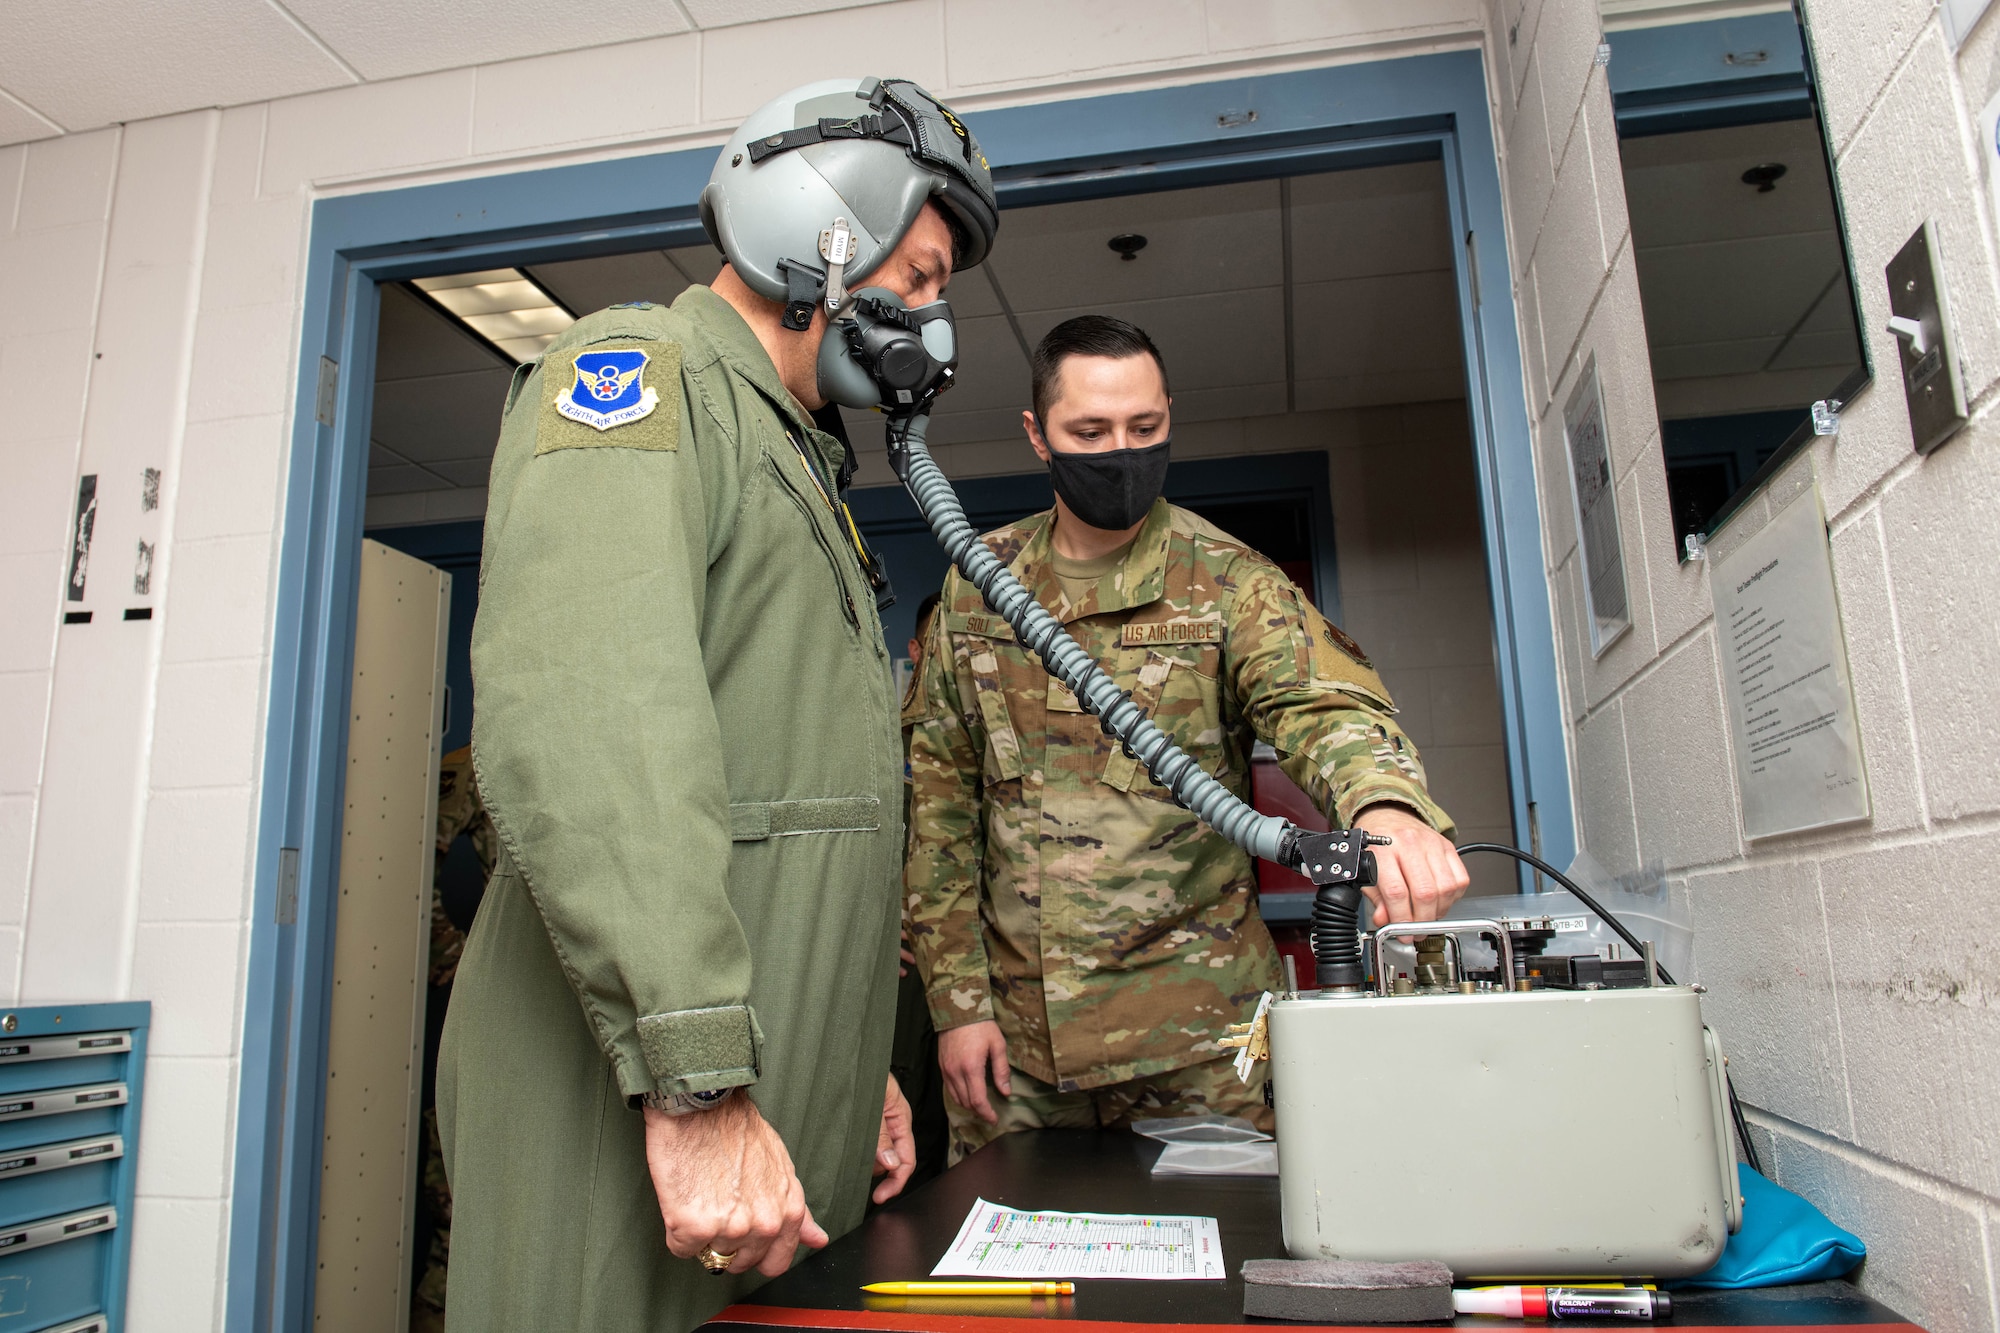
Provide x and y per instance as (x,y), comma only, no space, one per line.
(1346,1291)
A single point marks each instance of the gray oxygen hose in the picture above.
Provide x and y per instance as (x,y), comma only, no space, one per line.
(1268,836)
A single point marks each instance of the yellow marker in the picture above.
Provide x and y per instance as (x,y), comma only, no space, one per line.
(972,1288)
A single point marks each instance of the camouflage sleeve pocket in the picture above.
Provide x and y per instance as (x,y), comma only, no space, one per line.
(977,652)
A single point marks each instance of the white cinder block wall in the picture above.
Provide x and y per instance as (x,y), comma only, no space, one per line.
(1855,974)
(149,317)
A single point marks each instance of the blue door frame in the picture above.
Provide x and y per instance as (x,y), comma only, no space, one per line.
(1432,106)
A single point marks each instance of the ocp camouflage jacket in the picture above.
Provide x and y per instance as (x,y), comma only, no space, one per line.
(1050,883)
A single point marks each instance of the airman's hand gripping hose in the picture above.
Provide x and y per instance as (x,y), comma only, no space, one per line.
(1338,862)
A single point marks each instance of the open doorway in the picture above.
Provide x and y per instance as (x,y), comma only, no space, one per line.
(1311,332)
(1309,325)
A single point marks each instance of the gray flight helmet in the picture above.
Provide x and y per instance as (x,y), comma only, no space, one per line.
(866,153)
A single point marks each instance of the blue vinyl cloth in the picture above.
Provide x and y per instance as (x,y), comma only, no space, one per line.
(1783,1239)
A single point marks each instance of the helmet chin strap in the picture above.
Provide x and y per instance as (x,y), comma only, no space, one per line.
(803,285)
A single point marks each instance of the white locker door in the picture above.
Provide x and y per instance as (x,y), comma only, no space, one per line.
(381,945)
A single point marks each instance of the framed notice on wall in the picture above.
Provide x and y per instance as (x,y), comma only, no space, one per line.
(1596,498)
(1784,664)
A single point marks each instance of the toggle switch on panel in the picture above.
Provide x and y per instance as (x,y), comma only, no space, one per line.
(1921,321)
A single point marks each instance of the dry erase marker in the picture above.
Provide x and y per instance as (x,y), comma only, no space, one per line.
(972,1288)
(1564,1302)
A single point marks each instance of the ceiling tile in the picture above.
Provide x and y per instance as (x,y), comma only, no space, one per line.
(1216,238)
(971,293)
(588,285)
(416,36)
(991,370)
(464,471)
(1383,324)
(93,62)
(727,13)
(1831,348)
(1739,356)
(20,123)
(1229,401)
(1209,341)
(400,480)
(997,424)
(414,340)
(1720,290)
(1382,220)
(1410,386)
(1689,187)
(441,416)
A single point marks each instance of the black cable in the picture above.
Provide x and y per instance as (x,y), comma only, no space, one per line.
(1735,1106)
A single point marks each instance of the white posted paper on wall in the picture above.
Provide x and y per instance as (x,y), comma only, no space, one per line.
(1784,660)
(998,1242)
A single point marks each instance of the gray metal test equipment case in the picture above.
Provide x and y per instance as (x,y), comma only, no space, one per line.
(69,1130)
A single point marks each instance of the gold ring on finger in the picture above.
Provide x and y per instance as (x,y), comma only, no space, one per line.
(715,1261)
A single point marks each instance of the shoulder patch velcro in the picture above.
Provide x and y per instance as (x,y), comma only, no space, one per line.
(1345,666)
(623,393)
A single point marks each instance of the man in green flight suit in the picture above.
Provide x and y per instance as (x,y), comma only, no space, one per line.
(668,1047)
(1085,941)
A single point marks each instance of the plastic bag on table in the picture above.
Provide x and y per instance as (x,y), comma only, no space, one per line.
(1210,1145)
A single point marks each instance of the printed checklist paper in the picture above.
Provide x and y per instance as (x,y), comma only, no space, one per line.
(998,1242)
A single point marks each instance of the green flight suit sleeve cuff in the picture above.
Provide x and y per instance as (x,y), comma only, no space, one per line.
(1389,789)
(956,1007)
(702,1050)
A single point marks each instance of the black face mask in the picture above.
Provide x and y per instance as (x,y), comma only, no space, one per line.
(1111,490)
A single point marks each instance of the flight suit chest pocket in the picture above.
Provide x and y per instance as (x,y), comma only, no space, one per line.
(980,649)
(1181,692)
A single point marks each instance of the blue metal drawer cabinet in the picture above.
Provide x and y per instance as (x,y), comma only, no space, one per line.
(70,1079)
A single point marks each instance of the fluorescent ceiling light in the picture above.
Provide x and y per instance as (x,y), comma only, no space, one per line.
(503,306)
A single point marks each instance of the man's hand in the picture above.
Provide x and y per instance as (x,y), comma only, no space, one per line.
(966,1054)
(1417,877)
(895,1146)
(724,1180)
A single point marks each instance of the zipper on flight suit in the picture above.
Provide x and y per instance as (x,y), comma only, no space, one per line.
(791,488)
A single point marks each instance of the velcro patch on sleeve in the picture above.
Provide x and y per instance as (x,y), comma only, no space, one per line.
(623,393)
(1339,661)
(700,1050)
(1172,631)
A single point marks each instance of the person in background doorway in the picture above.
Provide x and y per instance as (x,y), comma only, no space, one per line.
(1084,941)
(666,1063)
(914,1059)
(460,814)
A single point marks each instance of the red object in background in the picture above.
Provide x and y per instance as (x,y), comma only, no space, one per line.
(1275,794)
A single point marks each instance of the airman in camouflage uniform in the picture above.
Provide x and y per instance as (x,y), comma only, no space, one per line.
(1052,886)
(460,814)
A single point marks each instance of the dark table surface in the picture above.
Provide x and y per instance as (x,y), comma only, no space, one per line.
(1089,1171)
